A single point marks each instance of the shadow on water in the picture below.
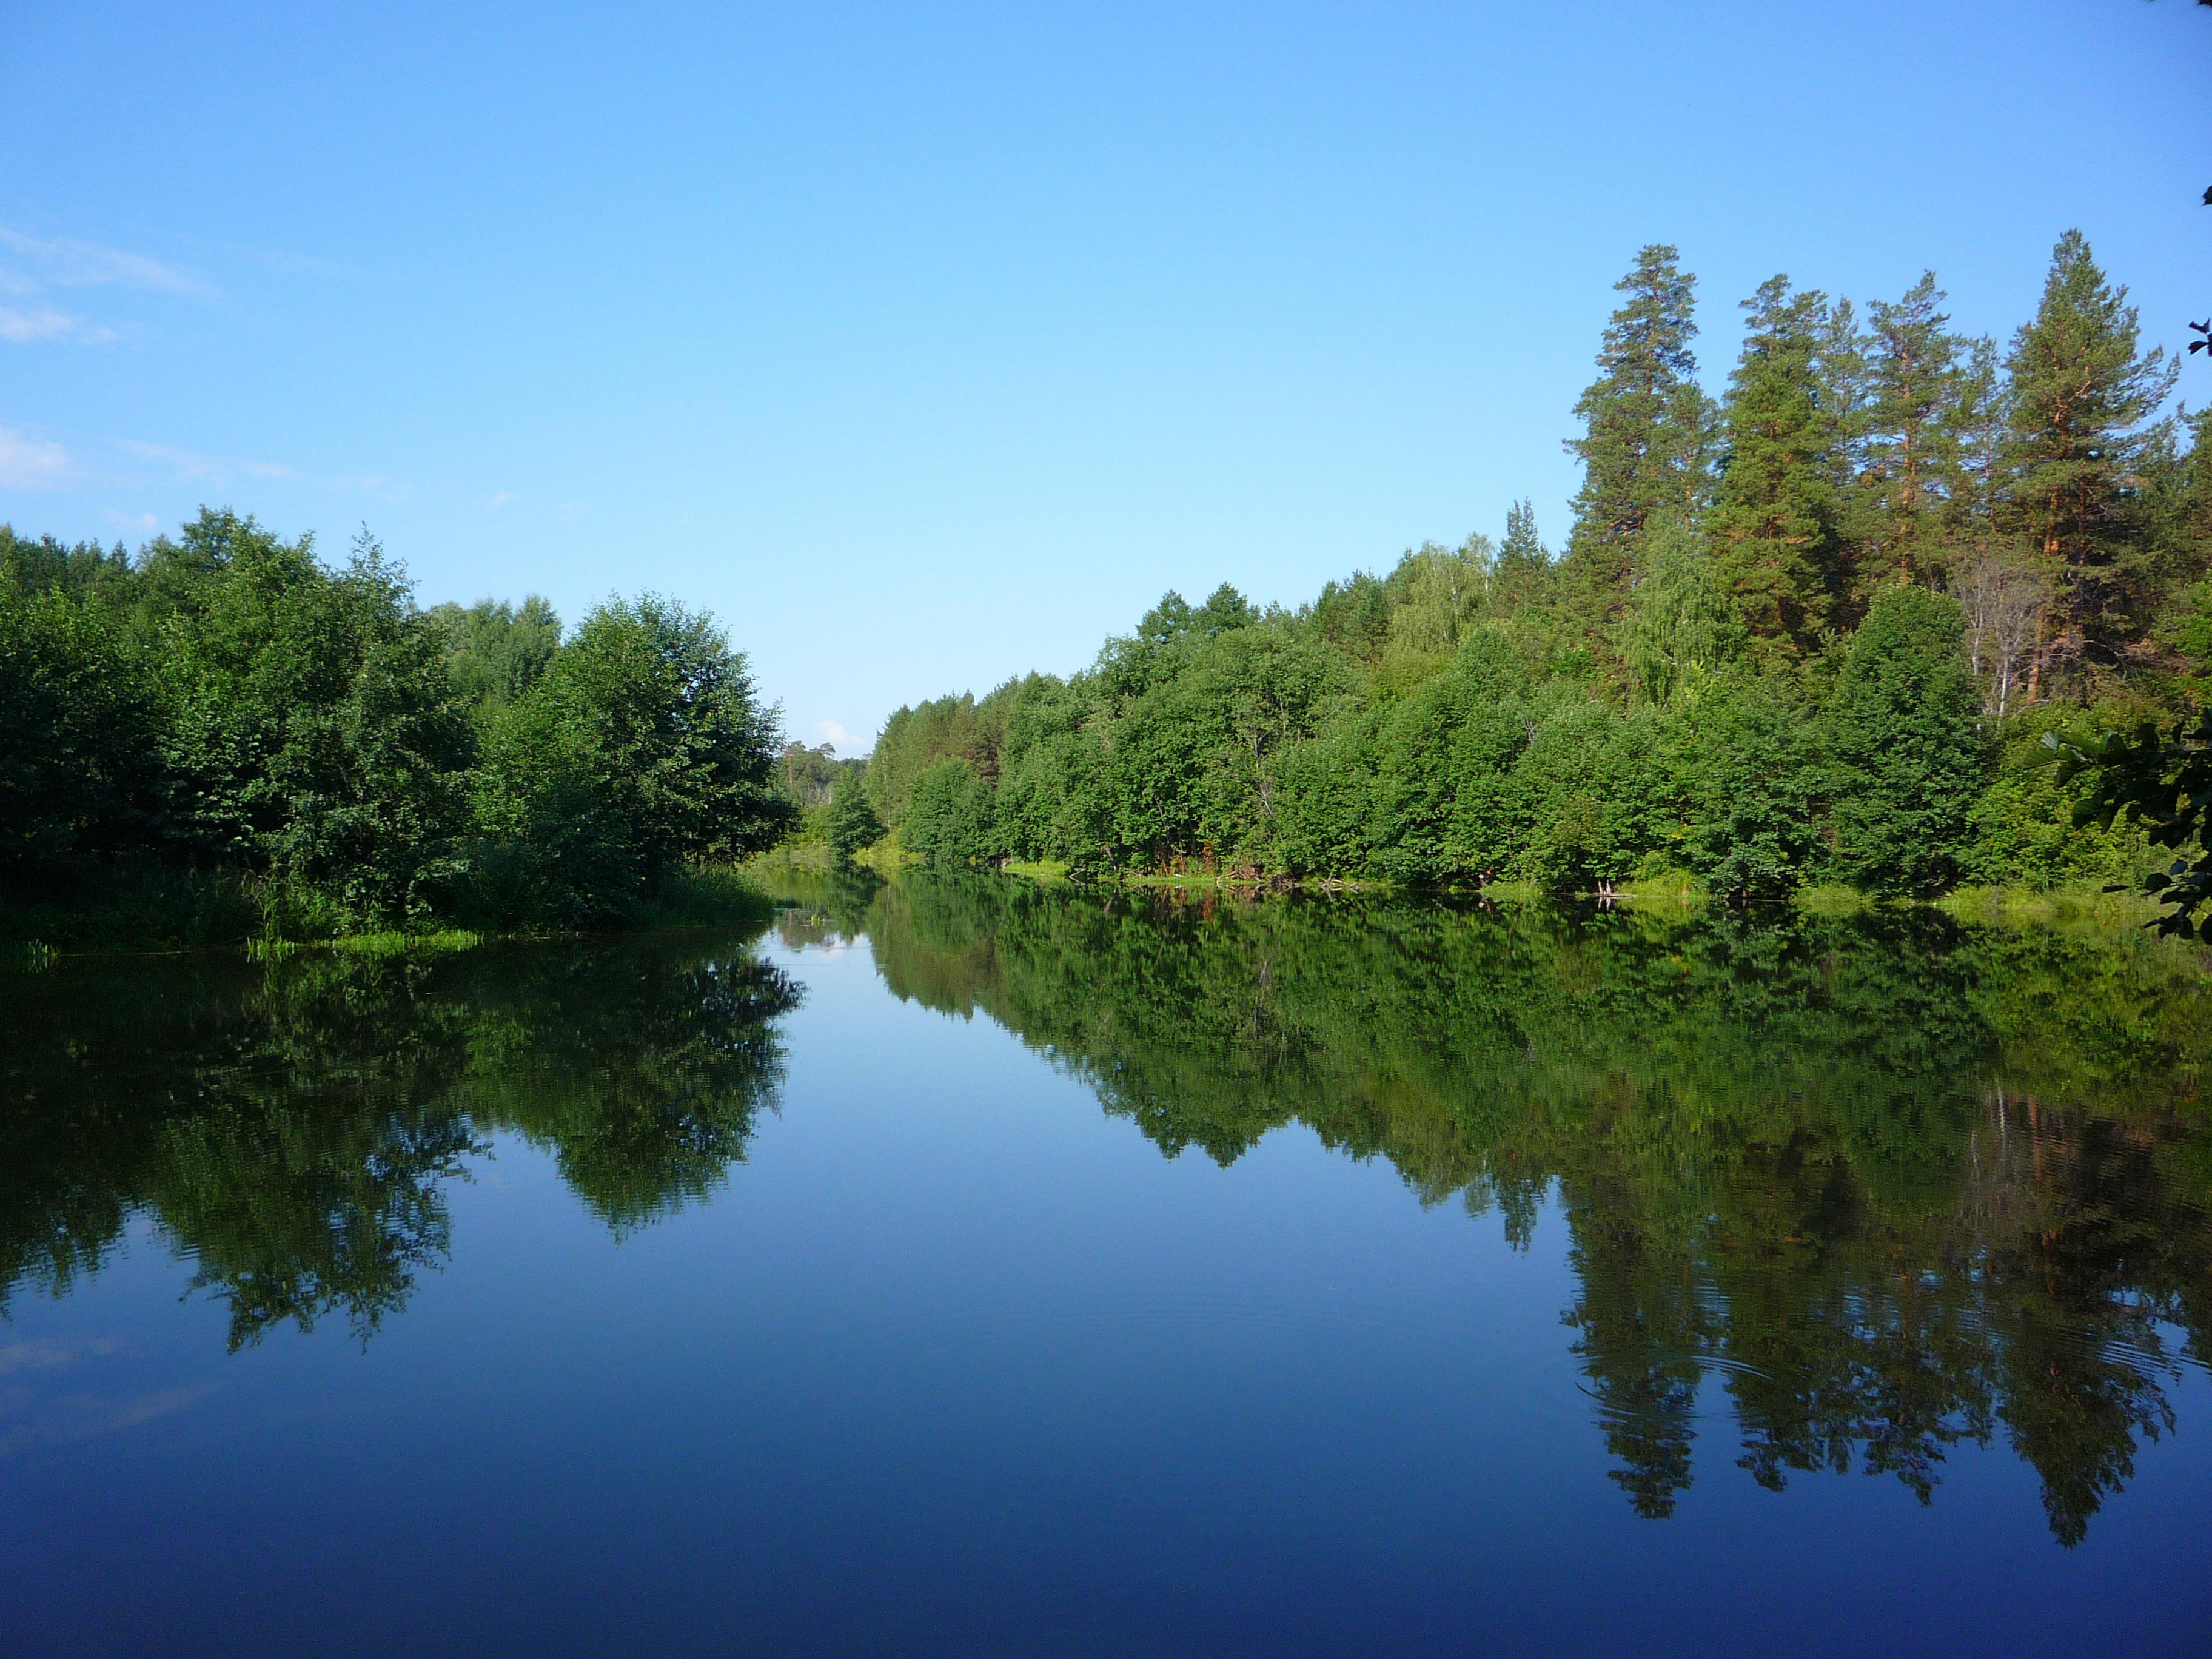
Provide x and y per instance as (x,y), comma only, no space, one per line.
(290,1129)
(1867,1188)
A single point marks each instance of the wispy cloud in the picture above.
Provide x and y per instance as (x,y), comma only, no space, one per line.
(31,462)
(189,466)
(28,463)
(65,261)
(144,521)
(374,484)
(30,265)
(836,734)
(214,469)
(497,498)
(23,327)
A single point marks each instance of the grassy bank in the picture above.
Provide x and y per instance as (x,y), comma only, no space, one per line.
(2057,907)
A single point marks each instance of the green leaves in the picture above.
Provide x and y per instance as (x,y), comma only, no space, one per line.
(1901,729)
(79,721)
(1681,629)
(643,744)
(853,823)
(953,818)
(228,700)
(2164,783)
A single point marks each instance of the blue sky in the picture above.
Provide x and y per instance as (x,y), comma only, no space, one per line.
(926,346)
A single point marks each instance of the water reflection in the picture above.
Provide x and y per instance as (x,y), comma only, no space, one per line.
(1865,1189)
(1845,1195)
(290,1130)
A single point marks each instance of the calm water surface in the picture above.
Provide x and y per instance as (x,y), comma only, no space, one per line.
(961,1267)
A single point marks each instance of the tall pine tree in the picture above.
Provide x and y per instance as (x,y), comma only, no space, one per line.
(1913,417)
(1772,527)
(1647,428)
(1843,388)
(2082,398)
(1522,577)
(1986,566)
(1983,418)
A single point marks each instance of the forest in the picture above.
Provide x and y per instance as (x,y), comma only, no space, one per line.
(224,737)
(1813,631)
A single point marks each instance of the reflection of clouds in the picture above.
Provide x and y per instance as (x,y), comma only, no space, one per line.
(30,1415)
(62,1418)
(47,1352)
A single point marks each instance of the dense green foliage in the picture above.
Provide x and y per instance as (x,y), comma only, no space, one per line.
(850,822)
(811,780)
(1813,632)
(224,709)
(641,745)
(949,818)
(2163,782)
(1893,1185)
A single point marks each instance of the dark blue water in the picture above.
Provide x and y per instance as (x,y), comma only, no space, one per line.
(922,1351)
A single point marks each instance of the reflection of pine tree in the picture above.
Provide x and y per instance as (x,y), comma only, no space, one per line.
(1643,1328)
(2077,1299)
(1771,1142)
(1829,1363)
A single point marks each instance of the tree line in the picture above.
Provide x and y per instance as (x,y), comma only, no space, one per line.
(247,738)
(1812,630)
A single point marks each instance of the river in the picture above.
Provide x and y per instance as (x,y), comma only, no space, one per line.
(960,1266)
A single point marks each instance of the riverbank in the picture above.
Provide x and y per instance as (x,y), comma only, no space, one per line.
(1674,891)
(157,911)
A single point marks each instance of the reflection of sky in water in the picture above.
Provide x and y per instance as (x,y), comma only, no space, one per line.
(923,1352)
(62,1389)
